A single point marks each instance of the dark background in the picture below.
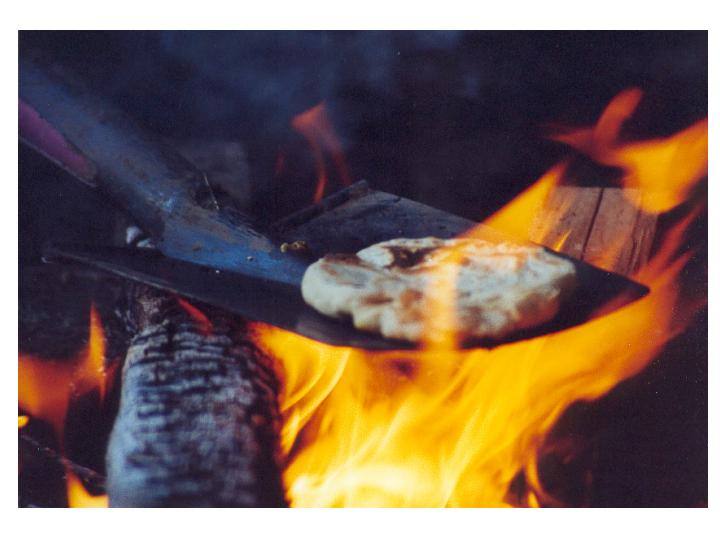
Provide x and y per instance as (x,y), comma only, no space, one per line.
(454,119)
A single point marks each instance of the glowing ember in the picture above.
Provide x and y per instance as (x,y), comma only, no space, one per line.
(204,324)
(314,124)
(443,427)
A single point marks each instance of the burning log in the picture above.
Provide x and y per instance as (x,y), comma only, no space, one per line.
(197,418)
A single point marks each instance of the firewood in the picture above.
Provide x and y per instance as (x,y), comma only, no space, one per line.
(198,418)
(622,235)
(569,211)
(603,226)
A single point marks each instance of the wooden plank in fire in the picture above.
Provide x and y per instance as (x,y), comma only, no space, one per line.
(605,227)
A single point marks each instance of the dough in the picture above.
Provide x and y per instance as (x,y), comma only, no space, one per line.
(392,287)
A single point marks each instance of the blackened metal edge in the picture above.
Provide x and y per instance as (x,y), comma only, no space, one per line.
(282,305)
(358,189)
(162,191)
(255,299)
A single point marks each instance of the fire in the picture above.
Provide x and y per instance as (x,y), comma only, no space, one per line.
(78,496)
(446,427)
(665,169)
(314,124)
(204,324)
(516,218)
(45,386)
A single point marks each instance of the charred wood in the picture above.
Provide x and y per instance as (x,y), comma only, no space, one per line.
(198,419)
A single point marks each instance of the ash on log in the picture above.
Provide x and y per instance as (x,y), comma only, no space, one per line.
(197,416)
(198,419)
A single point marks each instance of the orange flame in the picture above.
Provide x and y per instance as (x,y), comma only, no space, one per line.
(446,427)
(517,217)
(45,387)
(204,324)
(314,124)
(279,168)
(665,169)
(449,428)
(78,496)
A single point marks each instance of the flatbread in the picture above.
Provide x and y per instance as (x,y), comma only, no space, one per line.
(391,287)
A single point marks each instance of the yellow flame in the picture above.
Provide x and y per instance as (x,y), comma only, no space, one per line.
(666,169)
(448,428)
(45,386)
(444,427)
(78,496)
(560,242)
(516,219)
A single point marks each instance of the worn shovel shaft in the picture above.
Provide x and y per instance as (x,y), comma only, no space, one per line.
(100,145)
(234,266)
(165,194)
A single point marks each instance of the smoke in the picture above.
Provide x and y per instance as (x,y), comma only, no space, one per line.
(451,118)
(265,78)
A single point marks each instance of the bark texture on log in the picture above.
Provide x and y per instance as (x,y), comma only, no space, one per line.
(198,417)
